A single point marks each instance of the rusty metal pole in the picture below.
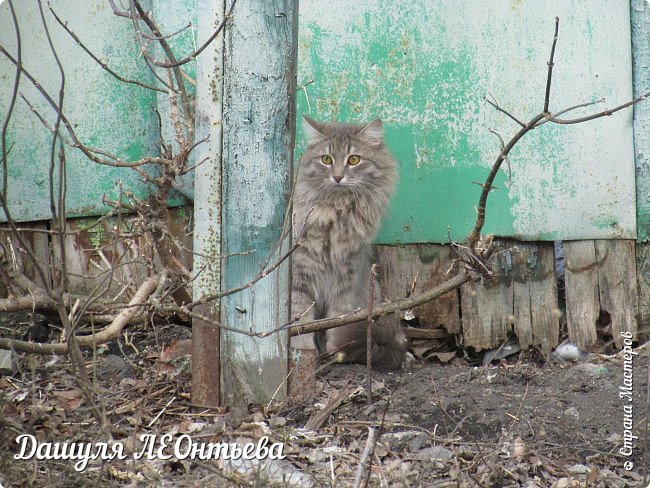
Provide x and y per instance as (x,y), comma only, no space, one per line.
(207,206)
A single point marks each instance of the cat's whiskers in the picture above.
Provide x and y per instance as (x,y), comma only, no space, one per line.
(362,188)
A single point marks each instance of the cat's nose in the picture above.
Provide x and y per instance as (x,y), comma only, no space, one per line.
(338,178)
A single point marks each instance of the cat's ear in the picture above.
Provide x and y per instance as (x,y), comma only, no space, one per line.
(312,129)
(373,133)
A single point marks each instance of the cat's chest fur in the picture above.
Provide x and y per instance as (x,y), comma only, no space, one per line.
(333,255)
(339,230)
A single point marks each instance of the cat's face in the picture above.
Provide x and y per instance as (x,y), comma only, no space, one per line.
(345,157)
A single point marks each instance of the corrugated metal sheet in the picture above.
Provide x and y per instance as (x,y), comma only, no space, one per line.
(424,67)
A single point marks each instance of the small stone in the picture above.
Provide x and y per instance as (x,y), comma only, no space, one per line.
(572,412)
(417,443)
(433,453)
(378,405)
(114,367)
(578,469)
(568,351)
(399,440)
(317,456)
(562,483)
(275,422)
(6,362)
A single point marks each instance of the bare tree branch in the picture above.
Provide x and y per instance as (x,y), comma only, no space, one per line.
(108,334)
(494,103)
(551,63)
(604,113)
(193,55)
(385,309)
(104,66)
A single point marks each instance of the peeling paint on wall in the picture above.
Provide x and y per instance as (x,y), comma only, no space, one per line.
(424,67)
(106,113)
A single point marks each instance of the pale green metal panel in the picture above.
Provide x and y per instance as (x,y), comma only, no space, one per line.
(423,66)
(640,13)
(106,113)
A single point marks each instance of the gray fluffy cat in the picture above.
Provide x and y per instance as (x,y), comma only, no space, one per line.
(345,180)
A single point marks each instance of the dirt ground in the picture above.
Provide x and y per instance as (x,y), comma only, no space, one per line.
(518,423)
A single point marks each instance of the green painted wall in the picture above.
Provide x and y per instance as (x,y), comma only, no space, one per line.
(106,113)
(424,67)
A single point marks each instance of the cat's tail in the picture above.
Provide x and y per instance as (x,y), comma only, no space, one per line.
(388,344)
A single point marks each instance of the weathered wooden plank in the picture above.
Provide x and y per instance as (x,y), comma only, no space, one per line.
(206,368)
(617,285)
(486,313)
(581,285)
(487,305)
(91,252)
(302,369)
(600,276)
(258,138)
(535,296)
(38,240)
(78,254)
(179,221)
(425,265)
(41,245)
(523,323)
(520,298)
(643,283)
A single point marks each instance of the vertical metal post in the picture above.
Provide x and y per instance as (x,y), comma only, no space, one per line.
(258,139)
(207,205)
(640,22)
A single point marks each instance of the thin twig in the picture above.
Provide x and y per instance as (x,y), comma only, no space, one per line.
(5,151)
(127,314)
(475,234)
(115,161)
(168,36)
(604,113)
(366,457)
(551,62)
(384,309)
(193,55)
(570,109)
(180,85)
(369,324)
(496,105)
(503,145)
(101,63)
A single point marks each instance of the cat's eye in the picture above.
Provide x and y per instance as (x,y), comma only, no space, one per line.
(354,159)
(326,159)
